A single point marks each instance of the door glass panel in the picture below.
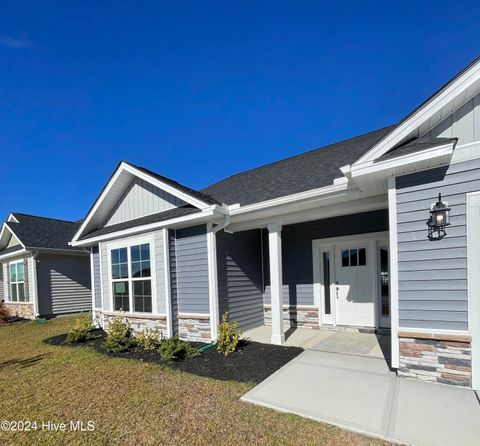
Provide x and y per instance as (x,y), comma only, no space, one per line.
(345,257)
(326,282)
(384,282)
(362,256)
(353,257)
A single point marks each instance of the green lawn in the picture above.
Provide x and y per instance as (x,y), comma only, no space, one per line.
(133,403)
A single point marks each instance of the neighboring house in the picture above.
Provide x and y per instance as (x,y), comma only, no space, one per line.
(40,274)
(334,238)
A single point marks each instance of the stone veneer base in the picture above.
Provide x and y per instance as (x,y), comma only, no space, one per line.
(190,328)
(301,317)
(24,311)
(195,329)
(442,359)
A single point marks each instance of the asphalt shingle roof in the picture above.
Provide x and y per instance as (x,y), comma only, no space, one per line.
(311,170)
(42,232)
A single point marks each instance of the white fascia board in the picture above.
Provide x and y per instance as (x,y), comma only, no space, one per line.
(124,167)
(5,225)
(166,187)
(291,199)
(402,162)
(12,218)
(98,203)
(429,109)
(20,252)
(190,219)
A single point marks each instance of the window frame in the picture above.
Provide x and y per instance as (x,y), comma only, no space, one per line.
(17,282)
(128,244)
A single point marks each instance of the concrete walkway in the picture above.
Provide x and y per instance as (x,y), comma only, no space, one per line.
(360,393)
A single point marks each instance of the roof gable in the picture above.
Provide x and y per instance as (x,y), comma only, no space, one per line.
(446,101)
(129,184)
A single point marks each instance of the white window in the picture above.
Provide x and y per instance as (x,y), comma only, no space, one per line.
(131,278)
(17,281)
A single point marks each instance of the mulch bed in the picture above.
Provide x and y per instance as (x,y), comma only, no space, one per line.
(252,362)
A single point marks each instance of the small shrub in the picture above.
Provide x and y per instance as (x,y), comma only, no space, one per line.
(3,313)
(149,339)
(119,335)
(228,336)
(173,349)
(80,330)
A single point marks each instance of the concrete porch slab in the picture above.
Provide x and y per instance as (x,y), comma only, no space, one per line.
(361,394)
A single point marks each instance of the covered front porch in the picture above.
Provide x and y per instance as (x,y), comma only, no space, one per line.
(373,345)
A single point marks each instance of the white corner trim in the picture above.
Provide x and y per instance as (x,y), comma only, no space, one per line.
(168,291)
(33,265)
(92,281)
(276,281)
(212,281)
(394,315)
(473,281)
(102,292)
(432,106)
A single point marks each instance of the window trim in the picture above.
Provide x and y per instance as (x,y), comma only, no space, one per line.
(16,283)
(128,243)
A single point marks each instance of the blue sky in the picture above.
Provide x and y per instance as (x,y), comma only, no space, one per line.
(198,91)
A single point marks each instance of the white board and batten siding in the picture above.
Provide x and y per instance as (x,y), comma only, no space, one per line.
(463,124)
(63,284)
(96,285)
(140,199)
(102,273)
(433,274)
(2,293)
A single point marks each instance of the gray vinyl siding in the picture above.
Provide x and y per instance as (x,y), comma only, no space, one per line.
(63,284)
(173,279)
(141,198)
(433,274)
(463,124)
(192,270)
(297,251)
(96,285)
(240,284)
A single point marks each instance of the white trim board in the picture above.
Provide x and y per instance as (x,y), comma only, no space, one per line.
(441,99)
(327,245)
(131,171)
(392,218)
(473,281)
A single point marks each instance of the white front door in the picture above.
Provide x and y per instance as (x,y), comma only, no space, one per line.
(355,283)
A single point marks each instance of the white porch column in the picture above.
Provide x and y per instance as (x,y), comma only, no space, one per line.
(276,281)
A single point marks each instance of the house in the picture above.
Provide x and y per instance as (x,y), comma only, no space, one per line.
(40,274)
(334,238)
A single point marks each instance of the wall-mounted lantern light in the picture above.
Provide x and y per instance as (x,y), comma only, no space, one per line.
(439,219)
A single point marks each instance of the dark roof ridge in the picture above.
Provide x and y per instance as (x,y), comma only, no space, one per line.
(40,216)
